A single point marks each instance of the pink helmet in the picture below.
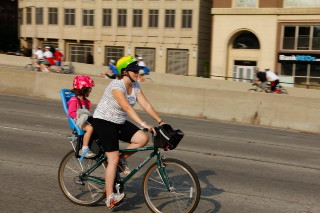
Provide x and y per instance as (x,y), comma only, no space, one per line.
(81,81)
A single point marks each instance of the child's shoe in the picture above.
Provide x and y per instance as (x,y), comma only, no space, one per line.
(86,153)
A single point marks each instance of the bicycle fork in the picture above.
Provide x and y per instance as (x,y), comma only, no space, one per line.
(163,174)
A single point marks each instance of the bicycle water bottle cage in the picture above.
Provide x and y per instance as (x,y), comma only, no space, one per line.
(66,94)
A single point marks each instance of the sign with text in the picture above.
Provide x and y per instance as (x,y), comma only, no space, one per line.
(299,58)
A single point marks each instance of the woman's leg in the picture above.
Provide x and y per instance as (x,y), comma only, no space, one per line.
(110,172)
(138,140)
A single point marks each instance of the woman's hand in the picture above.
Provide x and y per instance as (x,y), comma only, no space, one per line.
(162,122)
(149,127)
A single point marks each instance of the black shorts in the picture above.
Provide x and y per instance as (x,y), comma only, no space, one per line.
(110,133)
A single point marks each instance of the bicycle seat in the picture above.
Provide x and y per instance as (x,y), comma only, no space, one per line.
(66,94)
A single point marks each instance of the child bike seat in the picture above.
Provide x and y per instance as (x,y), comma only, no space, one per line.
(66,94)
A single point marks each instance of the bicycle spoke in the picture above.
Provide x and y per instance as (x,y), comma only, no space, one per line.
(184,193)
(74,186)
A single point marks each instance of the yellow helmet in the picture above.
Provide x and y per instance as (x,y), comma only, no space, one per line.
(124,62)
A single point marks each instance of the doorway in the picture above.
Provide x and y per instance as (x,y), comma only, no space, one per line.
(243,71)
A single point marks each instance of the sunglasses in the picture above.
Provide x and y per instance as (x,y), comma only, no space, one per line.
(133,67)
(135,71)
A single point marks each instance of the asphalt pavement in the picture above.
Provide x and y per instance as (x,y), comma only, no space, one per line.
(242,168)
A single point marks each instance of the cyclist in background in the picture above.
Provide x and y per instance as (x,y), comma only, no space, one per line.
(261,77)
(111,72)
(58,58)
(273,78)
(144,69)
(38,55)
(111,124)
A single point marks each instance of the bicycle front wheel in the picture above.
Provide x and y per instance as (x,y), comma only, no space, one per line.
(77,190)
(183,193)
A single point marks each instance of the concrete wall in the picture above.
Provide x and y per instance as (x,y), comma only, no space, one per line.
(283,111)
(160,78)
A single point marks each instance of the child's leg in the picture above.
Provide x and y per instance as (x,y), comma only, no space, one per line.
(85,152)
(86,138)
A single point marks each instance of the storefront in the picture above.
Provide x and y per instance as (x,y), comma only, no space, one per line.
(302,70)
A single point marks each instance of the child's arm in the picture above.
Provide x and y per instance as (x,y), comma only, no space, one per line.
(72,107)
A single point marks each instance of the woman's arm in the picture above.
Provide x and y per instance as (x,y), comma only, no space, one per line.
(72,108)
(145,104)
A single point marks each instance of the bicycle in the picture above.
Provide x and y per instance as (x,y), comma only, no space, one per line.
(65,69)
(256,87)
(34,66)
(168,185)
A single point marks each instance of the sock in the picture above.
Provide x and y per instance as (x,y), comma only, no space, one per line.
(85,147)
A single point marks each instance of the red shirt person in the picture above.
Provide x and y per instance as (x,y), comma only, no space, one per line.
(58,57)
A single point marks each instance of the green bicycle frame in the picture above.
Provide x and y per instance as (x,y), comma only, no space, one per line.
(86,175)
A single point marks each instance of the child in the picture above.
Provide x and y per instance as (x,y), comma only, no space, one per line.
(78,109)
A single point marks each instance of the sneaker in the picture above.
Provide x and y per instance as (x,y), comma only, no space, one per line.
(87,153)
(123,165)
(113,199)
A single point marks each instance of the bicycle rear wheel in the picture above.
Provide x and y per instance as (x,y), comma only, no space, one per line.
(253,90)
(29,67)
(65,69)
(183,194)
(77,190)
(283,91)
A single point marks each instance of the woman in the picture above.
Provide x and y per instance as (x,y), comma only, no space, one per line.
(111,125)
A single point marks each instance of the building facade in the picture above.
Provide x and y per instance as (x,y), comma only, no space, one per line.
(283,35)
(172,36)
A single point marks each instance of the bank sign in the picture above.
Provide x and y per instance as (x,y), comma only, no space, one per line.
(299,58)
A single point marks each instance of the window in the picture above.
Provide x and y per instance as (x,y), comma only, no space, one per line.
(245,3)
(246,40)
(303,74)
(186,19)
(316,38)
(177,61)
(29,15)
(153,18)
(81,53)
(122,17)
(69,16)
(169,18)
(301,3)
(289,37)
(53,16)
(137,18)
(107,14)
(114,53)
(39,16)
(88,17)
(301,38)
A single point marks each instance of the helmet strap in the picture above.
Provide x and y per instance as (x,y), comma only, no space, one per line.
(130,78)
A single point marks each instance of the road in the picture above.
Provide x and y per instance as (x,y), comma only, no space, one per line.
(242,168)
